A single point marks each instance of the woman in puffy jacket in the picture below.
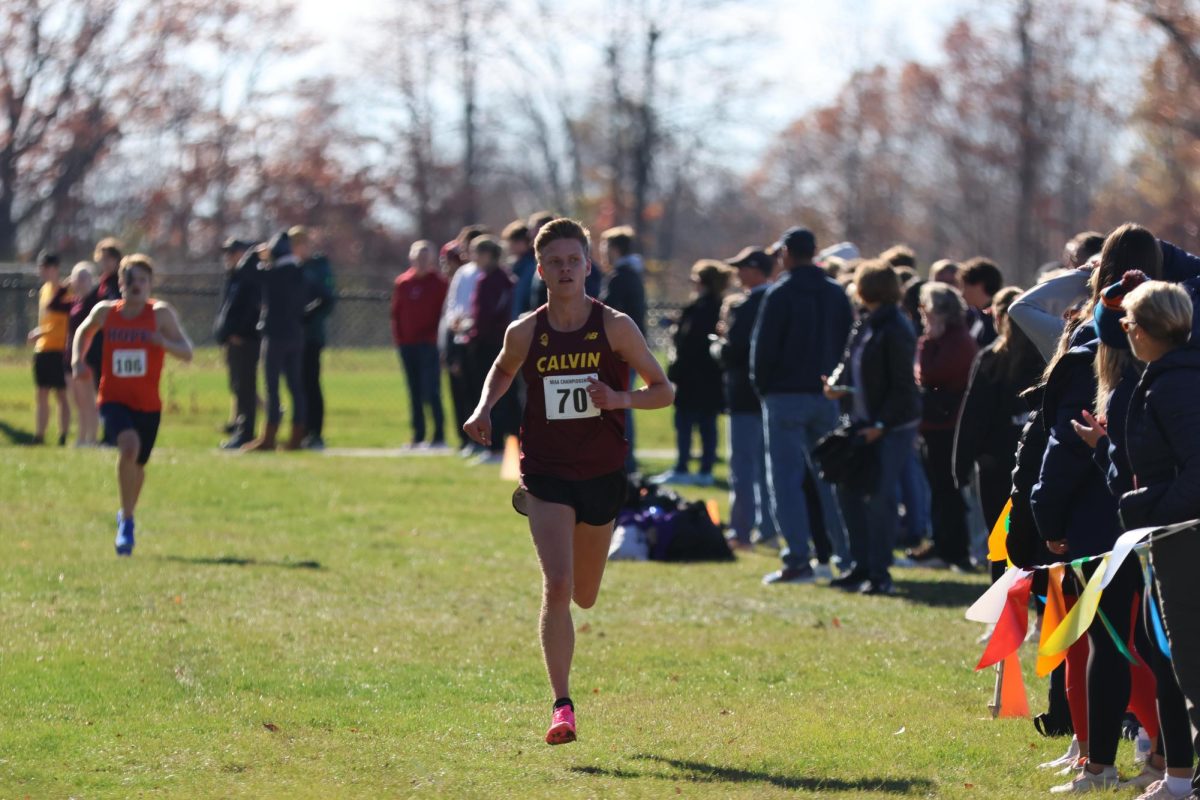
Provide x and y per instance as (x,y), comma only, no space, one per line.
(1162,437)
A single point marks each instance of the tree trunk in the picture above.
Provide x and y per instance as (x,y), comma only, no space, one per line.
(1028,148)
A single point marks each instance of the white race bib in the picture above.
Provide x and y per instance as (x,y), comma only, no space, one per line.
(129,363)
(567,397)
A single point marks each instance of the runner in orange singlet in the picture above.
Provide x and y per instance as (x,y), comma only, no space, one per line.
(138,330)
(575,354)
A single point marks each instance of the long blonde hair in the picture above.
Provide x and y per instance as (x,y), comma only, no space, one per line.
(1109,366)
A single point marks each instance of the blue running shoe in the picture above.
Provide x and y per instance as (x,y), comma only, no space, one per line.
(124,541)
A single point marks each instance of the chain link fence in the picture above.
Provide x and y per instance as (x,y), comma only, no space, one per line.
(360,318)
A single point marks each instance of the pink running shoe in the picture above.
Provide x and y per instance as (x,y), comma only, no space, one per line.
(562,726)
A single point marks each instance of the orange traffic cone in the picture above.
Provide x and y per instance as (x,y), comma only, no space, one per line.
(510,467)
(1013,700)
(714,512)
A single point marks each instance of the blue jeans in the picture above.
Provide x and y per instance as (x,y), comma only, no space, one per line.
(914,493)
(423,373)
(871,518)
(749,501)
(706,421)
(793,423)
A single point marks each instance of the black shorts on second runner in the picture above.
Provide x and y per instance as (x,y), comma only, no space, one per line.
(49,370)
(596,500)
(119,418)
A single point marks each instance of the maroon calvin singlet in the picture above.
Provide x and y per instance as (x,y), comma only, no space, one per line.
(563,435)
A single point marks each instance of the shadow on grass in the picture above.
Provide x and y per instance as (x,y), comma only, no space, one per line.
(15,435)
(237,561)
(700,772)
(940,594)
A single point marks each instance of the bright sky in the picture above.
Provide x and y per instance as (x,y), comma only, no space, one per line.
(810,46)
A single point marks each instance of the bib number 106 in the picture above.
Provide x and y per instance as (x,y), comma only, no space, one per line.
(129,363)
(567,397)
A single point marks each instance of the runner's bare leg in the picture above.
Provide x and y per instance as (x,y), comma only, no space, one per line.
(550,524)
(591,556)
(129,472)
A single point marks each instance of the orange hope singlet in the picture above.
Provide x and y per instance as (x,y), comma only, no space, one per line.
(132,366)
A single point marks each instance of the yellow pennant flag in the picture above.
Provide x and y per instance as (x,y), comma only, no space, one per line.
(1080,617)
(998,540)
(1056,610)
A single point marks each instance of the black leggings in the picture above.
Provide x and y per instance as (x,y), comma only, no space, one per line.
(1108,678)
(1175,731)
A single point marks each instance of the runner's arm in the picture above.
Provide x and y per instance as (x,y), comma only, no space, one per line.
(174,340)
(500,377)
(628,343)
(85,334)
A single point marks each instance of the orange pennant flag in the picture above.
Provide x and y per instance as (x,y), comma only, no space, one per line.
(1056,610)
(1013,700)
(1010,629)
(998,539)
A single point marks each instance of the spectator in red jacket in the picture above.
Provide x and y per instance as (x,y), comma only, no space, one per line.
(944,358)
(417,299)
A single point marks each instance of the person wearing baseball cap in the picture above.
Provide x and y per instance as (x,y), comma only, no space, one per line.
(798,338)
(749,505)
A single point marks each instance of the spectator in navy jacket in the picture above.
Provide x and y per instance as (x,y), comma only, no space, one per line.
(1163,439)
(236,329)
(319,300)
(981,279)
(523,264)
(799,337)
(624,290)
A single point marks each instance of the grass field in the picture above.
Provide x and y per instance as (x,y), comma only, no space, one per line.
(298,625)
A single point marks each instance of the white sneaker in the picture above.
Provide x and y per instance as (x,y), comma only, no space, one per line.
(1085,781)
(1146,778)
(673,477)
(1159,791)
(1072,769)
(1066,759)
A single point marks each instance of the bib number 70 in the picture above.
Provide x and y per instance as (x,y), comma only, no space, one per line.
(567,397)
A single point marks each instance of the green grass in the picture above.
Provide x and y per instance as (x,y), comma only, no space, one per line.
(297,625)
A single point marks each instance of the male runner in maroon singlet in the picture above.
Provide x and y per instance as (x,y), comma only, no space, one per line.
(138,331)
(575,354)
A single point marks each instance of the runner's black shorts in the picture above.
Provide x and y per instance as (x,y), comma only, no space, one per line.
(119,418)
(49,370)
(596,500)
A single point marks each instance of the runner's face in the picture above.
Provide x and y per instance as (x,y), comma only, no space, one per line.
(564,266)
(136,285)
